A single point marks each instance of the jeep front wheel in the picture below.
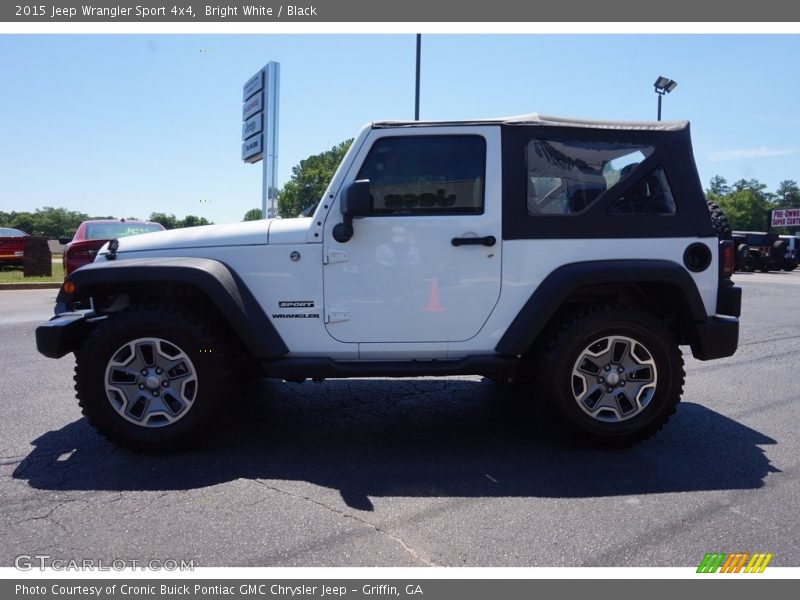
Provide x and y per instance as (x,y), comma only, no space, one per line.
(150,379)
(614,375)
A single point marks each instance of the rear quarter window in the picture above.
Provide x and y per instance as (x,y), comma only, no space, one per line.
(565,178)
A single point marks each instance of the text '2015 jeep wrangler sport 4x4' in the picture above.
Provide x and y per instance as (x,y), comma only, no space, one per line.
(573,257)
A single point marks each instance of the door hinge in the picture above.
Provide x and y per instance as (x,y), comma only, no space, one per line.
(336,315)
(334,256)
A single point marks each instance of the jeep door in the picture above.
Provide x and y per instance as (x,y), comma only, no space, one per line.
(424,262)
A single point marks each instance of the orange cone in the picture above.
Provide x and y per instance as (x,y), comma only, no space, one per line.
(433,298)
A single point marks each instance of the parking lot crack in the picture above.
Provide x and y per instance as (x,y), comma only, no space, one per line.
(149,503)
(379,530)
(48,516)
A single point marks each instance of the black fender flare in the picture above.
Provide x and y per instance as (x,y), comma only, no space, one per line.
(551,294)
(216,280)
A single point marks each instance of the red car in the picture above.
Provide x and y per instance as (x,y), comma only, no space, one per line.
(92,235)
(12,246)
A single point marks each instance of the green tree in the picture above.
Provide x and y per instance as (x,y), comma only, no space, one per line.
(718,186)
(755,186)
(788,194)
(58,222)
(309,180)
(167,220)
(746,209)
(254,214)
(170,221)
(193,221)
(48,221)
(25,221)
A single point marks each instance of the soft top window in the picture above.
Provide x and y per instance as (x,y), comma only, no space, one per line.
(565,178)
(651,195)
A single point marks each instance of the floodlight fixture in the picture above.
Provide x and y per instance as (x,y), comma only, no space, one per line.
(663,85)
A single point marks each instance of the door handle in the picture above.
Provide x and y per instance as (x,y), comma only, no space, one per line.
(489,240)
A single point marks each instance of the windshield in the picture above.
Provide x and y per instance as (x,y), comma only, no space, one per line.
(110,231)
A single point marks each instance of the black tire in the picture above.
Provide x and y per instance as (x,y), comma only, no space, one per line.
(743,251)
(656,401)
(187,406)
(778,254)
(719,221)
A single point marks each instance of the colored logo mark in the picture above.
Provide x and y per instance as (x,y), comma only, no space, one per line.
(739,562)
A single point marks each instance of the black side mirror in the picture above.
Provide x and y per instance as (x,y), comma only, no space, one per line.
(355,202)
(355,199)
(64,241)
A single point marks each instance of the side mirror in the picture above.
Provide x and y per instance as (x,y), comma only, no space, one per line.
(355,202)
(64,241)
(355,199)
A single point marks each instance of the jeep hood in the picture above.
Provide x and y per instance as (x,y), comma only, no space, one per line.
(231,234)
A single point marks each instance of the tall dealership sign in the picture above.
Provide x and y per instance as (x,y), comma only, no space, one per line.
(260,129)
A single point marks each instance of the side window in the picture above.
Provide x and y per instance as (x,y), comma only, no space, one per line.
(417,175)
(650,196)
(565,178)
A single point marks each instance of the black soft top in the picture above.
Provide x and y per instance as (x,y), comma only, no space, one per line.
(547,121)
(673,153)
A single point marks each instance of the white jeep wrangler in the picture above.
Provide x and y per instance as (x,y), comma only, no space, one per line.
(572,257)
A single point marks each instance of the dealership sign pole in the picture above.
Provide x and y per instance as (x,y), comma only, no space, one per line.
(260,129)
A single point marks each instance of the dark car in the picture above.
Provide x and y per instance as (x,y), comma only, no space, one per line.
(12,246)
(756,250)
(92,235)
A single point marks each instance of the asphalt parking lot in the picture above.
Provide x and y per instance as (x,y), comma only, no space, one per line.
(413,472)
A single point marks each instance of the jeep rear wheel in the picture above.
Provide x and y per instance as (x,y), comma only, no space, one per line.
(613,374)
(614,378)
(151,379)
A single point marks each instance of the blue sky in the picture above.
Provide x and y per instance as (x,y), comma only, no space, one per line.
(131,124)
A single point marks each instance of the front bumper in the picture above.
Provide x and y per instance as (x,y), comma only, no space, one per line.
(63,333)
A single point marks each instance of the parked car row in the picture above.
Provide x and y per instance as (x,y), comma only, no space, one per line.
(760,251)
(81,248)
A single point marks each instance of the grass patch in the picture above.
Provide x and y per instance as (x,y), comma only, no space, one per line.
(14,275)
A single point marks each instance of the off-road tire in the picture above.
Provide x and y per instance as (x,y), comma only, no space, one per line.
(207,356)
(567,341)
(720,222)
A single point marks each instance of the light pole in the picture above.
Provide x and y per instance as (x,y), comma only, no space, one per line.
(663,85)
(419,56)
